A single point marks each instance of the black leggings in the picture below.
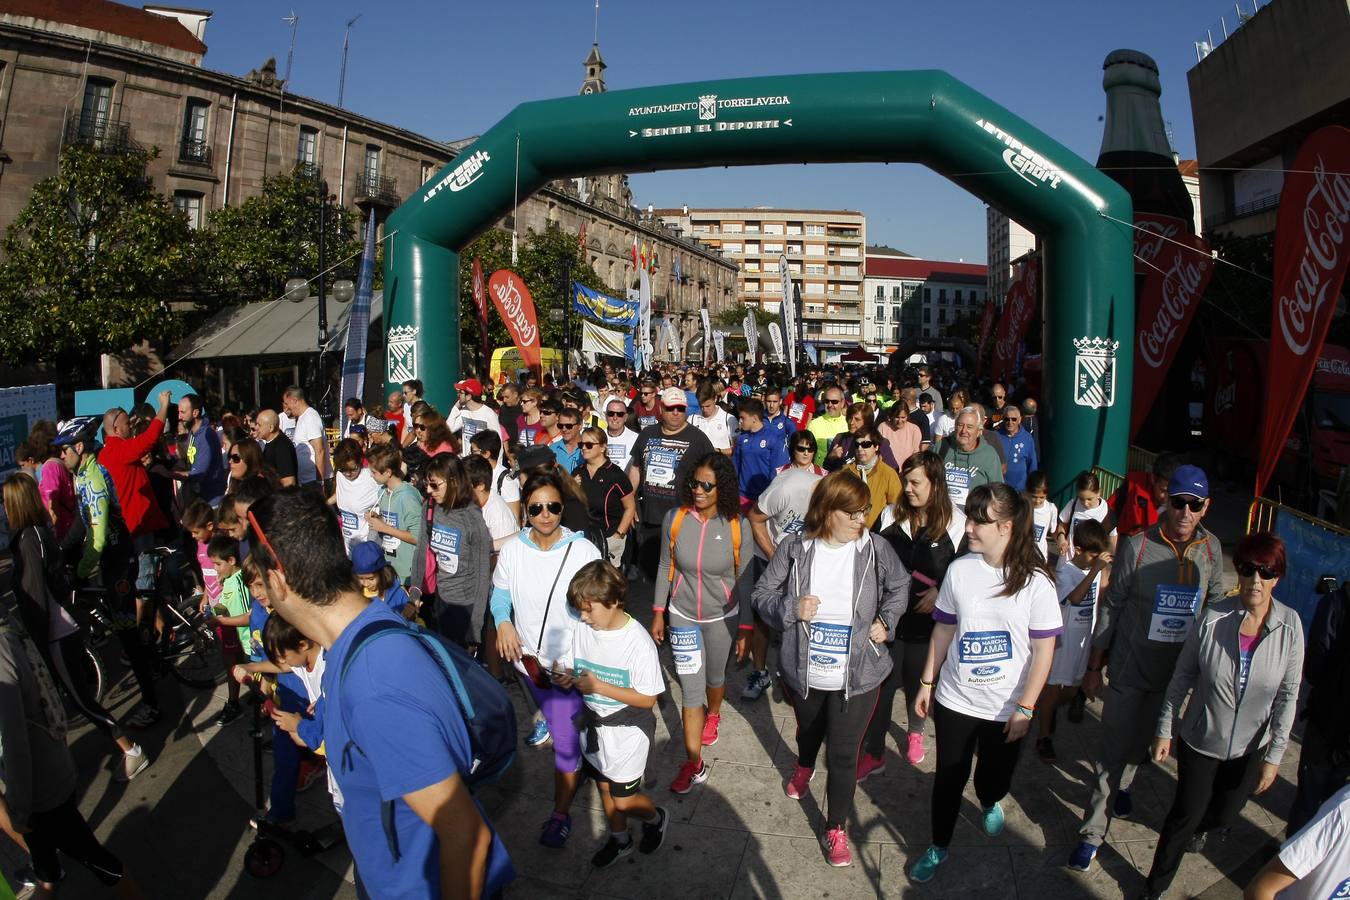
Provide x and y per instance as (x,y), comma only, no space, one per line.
(826,717)
(1210,794)
(64,829)
(906,670)
(957,736)
(68,665)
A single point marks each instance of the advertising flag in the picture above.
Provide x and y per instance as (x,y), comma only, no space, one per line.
(986,325)
(516,307)
(645,351)
(358,321)
(1176,266)
(776,335)
(679,274)
(718,337)
(751,338)
(480,302)
(788,311)
(707,334)
(1018,311)
(1310,262)
(604,308)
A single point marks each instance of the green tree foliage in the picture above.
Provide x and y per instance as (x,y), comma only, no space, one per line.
(91,263)
(543,258)
(253,248)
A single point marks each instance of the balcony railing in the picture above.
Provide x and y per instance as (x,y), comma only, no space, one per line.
(1242,210)
(379,189)
(307,170)
(101,132)
(194,152)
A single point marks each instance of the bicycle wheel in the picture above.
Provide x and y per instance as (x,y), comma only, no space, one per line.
(197,663)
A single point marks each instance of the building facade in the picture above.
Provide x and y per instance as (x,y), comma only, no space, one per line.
(824,250)
(1007,242)
(909,298)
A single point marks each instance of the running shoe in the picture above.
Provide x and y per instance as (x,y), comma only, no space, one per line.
(690,774)
(870,765)
(1123,808)
(797,784)
(133,763)
(756,685)
(555,831)
(1082,856)
(836,847)
(312,771)
(611,852)
(1076,707)
(924,870)
(228,713)
(915,752)
(710,728)
(539,736)
(1045,749)
(993,820)
(143,717)
(654,833)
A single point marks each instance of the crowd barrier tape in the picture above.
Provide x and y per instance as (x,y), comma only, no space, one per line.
(1313,548)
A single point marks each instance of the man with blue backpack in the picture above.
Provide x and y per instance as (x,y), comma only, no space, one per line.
(412,724)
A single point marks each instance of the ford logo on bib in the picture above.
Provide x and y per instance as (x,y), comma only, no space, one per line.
(982,671)
(1174,624)
(821,659)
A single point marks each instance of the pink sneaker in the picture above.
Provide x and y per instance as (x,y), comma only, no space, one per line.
(915,752)
(710,728)
(836,847)
(870,765)
(801,777)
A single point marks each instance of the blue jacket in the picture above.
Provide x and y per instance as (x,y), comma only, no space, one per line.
(1020,451)
(207,475)
(782,426)
(757,456)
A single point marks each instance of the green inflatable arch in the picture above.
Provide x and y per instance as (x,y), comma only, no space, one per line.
(924,117)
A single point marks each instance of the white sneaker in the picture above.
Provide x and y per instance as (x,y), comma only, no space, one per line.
(133,764)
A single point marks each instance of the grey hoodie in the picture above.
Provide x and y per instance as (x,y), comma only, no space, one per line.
(1218,722)
(880,590)
(472,581)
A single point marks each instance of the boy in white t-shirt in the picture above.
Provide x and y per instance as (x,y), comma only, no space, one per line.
(618,672)
(1314,864)
(1044,513)
(1079,582)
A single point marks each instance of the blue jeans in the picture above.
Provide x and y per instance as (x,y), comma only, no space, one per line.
(285,753)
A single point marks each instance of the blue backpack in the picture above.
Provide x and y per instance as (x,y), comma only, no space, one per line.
(488,714)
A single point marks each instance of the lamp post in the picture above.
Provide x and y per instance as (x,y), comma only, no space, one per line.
(297,290)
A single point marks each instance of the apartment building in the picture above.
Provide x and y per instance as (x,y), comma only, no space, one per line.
(907,298)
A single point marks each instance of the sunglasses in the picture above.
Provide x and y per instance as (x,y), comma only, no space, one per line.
(675,409)
(434,485)
(419,427)
(235,457)
(589,445)
(834,402)
(615,415)
(1180,503)
(553,506)
(867,445)
(1247,570)
(567,426)
(803,448)
(707,486)
(648,393)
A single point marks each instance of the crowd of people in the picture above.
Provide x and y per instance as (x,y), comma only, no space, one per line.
(850,535)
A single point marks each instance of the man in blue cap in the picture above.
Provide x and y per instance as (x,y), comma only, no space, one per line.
(1160,579)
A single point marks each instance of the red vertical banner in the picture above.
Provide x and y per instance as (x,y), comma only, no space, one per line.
(986,325)
(1310,262)
(1018,310)
(516,307)
(480,303)
(1176,266)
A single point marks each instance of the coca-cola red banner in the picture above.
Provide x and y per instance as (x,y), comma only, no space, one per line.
(986,324)
(480,303)
(1018,310)
(516,307)
(1176,266)
(1310,261)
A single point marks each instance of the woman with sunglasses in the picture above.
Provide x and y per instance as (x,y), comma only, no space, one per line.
(882,481)
(835,591)
(1241,665)
(534,628)
(528,423)
(453,559)
(927,532)
(433,434)
(901,437)
(609,493)
(243,462)
(355,491)
(996,619)
(842,451)
(701,585)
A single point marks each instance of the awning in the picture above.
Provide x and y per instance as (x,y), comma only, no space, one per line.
(274,328)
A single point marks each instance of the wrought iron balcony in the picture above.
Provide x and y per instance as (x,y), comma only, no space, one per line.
(381,190)
(307,170)
(194,152)
(100,132)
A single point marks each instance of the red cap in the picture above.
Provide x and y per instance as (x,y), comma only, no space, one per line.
(472,385)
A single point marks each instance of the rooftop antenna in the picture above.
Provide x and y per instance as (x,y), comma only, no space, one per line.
(292,20)
(342,78)
(595,36)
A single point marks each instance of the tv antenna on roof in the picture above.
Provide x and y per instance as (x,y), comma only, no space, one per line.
(342,78)
(595,36)
(293,20)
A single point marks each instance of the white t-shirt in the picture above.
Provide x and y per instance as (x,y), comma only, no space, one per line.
(1319,854)
(509,487)
(527,574)
(620,449)
(785,501)
(1075,644)
(301,431)
(990,655)
(1042,523)
(312,679)
(831,628)
(719,429)
(469,422)
(354,498)
(943,425)
(626,658)
(500,522)
(1081,512)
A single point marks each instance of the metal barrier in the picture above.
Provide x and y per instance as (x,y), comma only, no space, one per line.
(1108,481)
(1137,459)
(1263,512)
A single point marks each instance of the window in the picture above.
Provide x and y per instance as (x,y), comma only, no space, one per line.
(909,292)
(428,170)
(372,168)
(194,146)
(942,317)
(731,227)
(927,295)
(307,149)
(794,249)
(895,313)
(752,227)
(895,334)
(773,228)
(752,248)
(881,292)
(97,111)
(731,246)
(895,293)
(815,268)
(815,287)
(815,249)
(942,295)
(794,228)
(815,229)
(773,248)
(770,265)
(927,317)
(189,203)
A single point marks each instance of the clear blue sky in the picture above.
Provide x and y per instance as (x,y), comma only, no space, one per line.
(449,69)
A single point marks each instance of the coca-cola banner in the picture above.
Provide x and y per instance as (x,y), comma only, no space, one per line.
(480,301)
(1176,266)
(986,324)
(1018,310)
(516,307)
(1310,261)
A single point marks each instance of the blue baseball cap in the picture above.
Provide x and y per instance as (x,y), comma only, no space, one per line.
(1189,481)
(367,558)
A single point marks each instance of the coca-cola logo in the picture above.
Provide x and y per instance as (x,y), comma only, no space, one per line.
(1333,366)
(1225,396)
(510,300)
(1151,234)
(1181,286)
(1326,209)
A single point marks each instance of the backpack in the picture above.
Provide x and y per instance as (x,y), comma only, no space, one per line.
(675,533)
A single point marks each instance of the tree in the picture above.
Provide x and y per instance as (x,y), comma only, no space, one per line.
(91,263)
(252,249)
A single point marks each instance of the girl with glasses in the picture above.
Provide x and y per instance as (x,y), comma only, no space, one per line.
(701,583)
(882,481)
(835,592)
(1241,665)
(535,630)
(996,620)
(609,493)
(452,562)
(355,492)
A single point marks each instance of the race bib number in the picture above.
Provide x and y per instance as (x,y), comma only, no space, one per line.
(661,463)
(527,437)
(388,541)
(686,646)
(472,427)
(958,485)
(794,525)
(828,654)
(445,546)
(796,411)
(1040,533)
(349,523)
(1174,607)
(607,674)
(981,655)
(1342,891)
(646,421)
(618,454)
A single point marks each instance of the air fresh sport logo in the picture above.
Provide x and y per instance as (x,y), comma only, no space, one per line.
(1029,165)
(1094,372)
(461,176)
(402,354)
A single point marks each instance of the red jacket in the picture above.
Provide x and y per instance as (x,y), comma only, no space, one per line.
(1133,504)
(122,458)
